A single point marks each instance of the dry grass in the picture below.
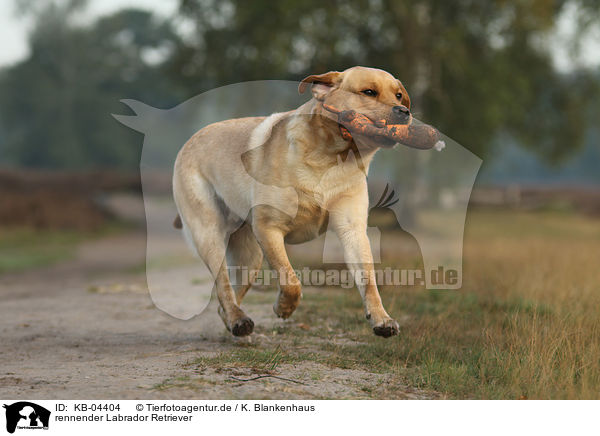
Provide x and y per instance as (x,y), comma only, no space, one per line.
(549,345)
(525,324)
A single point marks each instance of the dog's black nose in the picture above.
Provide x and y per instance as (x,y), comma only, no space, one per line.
(401,110)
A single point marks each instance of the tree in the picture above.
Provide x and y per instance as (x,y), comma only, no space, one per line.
(55,106)
(474,69)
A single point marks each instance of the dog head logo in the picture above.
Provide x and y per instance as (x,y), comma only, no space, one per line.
(26,415)
(432,189)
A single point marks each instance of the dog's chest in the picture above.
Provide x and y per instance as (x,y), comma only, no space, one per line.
(310,221)
(316,194)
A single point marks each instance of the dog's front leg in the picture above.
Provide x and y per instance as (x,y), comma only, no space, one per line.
(349,221)
(271,240)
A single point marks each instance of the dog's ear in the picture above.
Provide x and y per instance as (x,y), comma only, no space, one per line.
(322,83)
(405,98)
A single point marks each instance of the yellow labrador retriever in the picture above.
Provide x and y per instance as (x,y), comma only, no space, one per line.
(303,150)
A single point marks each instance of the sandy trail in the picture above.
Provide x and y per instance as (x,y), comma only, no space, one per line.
(87,329)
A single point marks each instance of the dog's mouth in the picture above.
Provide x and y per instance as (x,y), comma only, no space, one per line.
(411,134)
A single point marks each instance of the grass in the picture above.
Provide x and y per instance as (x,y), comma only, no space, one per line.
(25,248)
(525,324)
(263,360)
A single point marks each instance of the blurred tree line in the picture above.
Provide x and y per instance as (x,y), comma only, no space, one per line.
(475,69)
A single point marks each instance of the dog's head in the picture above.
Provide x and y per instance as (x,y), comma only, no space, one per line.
(373,93)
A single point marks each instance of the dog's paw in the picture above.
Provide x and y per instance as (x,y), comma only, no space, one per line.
(387,328)
(242,327)
(283,312)
(286,304)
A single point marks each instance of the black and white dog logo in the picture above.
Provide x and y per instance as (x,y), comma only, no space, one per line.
(26,415)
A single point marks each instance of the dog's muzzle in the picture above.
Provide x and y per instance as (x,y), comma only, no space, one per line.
(401,114)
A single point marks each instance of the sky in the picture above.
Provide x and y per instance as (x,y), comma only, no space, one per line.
(14,30)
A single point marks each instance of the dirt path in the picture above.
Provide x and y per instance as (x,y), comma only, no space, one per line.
(87,329)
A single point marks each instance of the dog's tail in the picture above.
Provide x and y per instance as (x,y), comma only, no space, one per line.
(177,222)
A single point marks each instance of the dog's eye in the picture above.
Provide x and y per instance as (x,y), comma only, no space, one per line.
(370,92)
(399,96)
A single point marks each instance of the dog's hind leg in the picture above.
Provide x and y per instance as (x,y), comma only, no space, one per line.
(245,253)
(205,222)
